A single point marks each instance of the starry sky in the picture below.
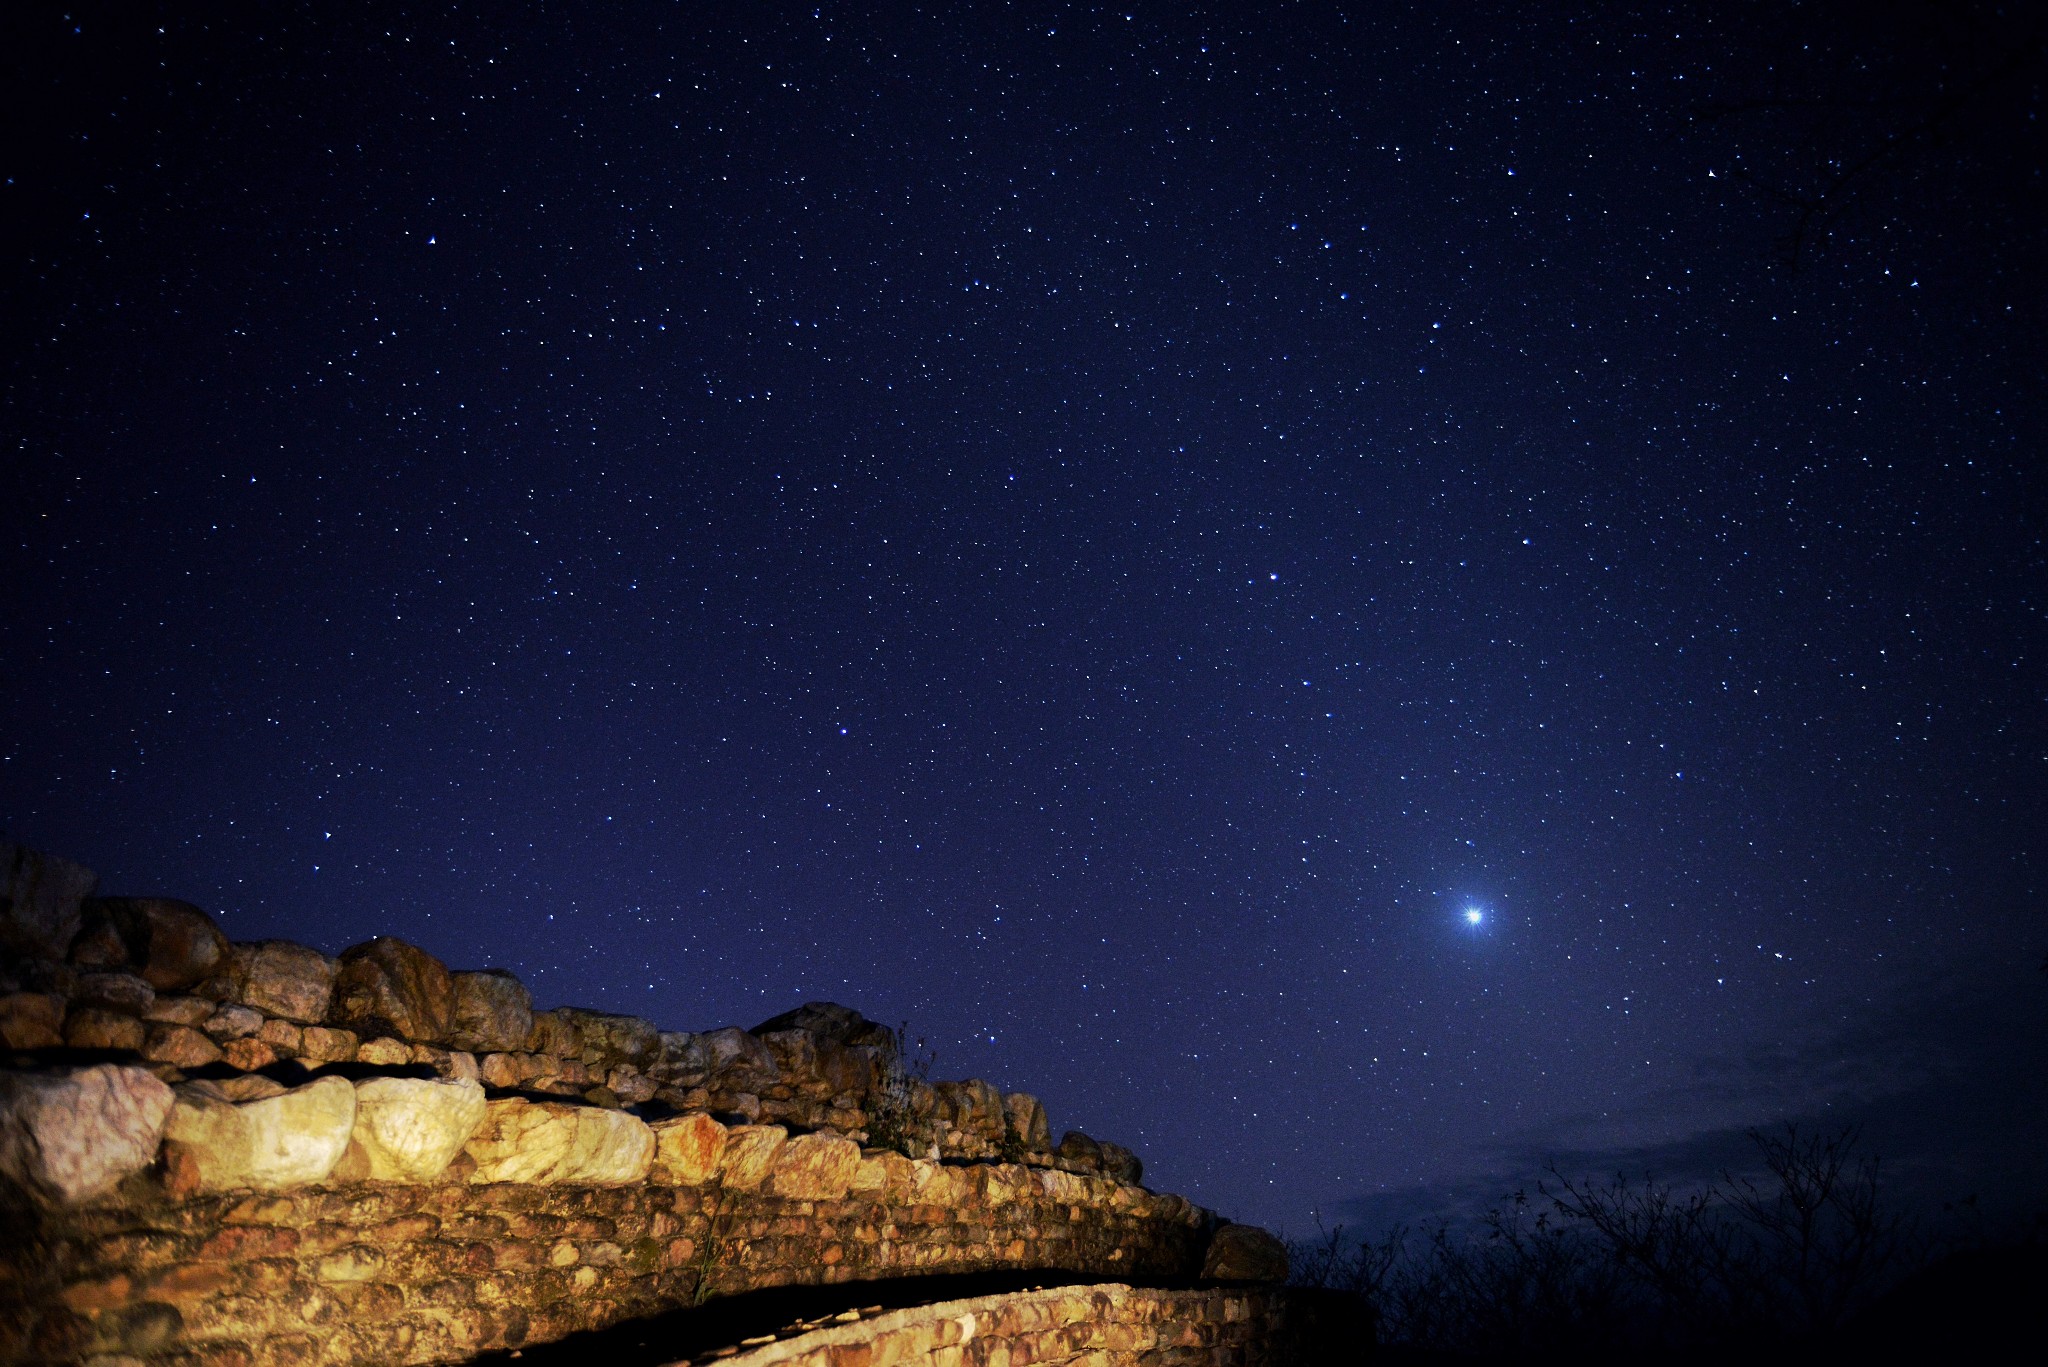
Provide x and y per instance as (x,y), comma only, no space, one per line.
(1357,597)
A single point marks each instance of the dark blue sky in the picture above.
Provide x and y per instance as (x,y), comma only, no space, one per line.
(1099,534)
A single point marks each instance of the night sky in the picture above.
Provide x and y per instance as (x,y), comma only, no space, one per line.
(1356,600)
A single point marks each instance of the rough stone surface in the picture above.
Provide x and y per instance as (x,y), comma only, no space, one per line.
(280,978)
(122,992)
(607,1040)
(178,1045)
(98,1029)
(1244,1253)
(687,1150)
(749,1153)
(1108,1325)
(268,1145)
(388,987)
(1028,1121)
(40,901)
(72,1134)
(31,1020)
(814,1167)
(832,1021)
(409,1129)
(547,1142)
(1120,1164)
(170,944)
(493,1012)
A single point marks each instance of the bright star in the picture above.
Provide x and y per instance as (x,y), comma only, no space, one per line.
(1473,916)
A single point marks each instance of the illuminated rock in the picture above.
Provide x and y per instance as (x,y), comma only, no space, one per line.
(546,1142)
(388,987)
(687,1150)
(409,1129)
(814,1167)
(749,1152)
(279,978)
(284,1141)
(493,1012)
(71,1135)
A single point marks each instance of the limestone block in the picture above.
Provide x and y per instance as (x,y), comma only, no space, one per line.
(324,1044)
(233,1022)
(1027,1119)
(388,987)
(171,944)
(248,1054)
(1119,1164)
(410,1129)
(40,901)
(1080,1152)
(284,1141)
(829,1020)
(732,1050)
(629,1084)
(384,1053)
(31,1020)
(1244,1253)
(178,1045)
(687,1150)
(814,1167)
(122,992)
(609,1040)
(555,1033)
(178,1010)
(73,1134)
(749,1153)
(95,1027)
(554,1142)
(280,978)
(493,1012)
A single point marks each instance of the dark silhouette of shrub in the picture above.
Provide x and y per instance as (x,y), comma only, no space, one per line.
(1592,1269)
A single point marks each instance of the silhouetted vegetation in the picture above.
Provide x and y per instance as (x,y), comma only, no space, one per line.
(1592,1269)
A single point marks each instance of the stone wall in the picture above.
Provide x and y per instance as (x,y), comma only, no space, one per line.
(153,980)
(260,1155)
(418,1273)
(1103,1326)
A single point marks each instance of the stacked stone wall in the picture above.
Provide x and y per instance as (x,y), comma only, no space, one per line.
(1101,1326)
(388,1273)
(258,1155)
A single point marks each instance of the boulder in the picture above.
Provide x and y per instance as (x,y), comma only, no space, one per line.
(1028,1122)
(232,1022)
(607,1040)
(829,1020)
(1244,1253)
(319,1044)
(280,978)
(178,1045)
(493,1012)
(41,897)
(31,1020)
(749,1153)
(547,1142)
(283,1141)
(170,944)
(388,987)
(95,1027)
(1119,1164)
(174,1010)
(1079,1152)
(687,1150)
(71,1135)
(409,1129)
(814,1167)
(122,992)
(731,1050)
